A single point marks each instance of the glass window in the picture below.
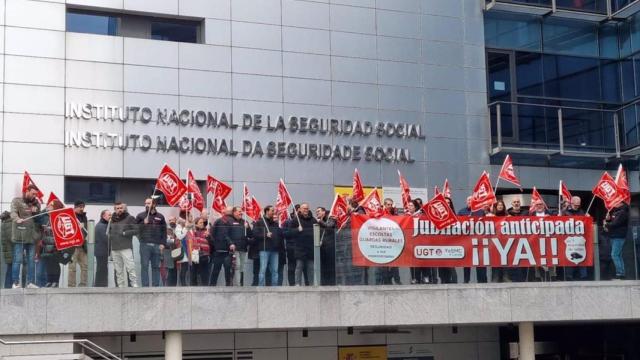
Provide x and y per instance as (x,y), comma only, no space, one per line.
(610,80)
(173,31)
(628,80)
(99,191)
(570,37)
(511,31)
(529,74)
(624,35)
(92,23)
(598,6)
(571,77)
(634,26)
(608,36)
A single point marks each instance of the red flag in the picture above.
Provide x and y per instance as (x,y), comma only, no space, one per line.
(372,204)
(405,192)
(247,203)
(339,211)
(197,200)
(66,230)
(436,191)
(255,208)
(508,173)
(283,201)
(220,192)
(26,181)
(607,190)
(623,185)
(564,193)
(446,190)
(171,186)
(536,198)
(357,192)
(52,198)
(185,204)
(439,212)
(483,194)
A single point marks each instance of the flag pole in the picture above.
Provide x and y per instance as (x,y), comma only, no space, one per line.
(591,203)
(152,199)
(265,224)
(495,188)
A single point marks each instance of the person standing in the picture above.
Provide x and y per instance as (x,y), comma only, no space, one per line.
(168,262)
(79,257)
(543,273)
(23,235)
(101,252)
(616,224)
(153,239)
(391,275)
(50,256)
(301,229)
(270,240)
(222,248)
(7,247)
(327,247)
(121,232)
(448,275)
(481,272)
(199,269)
(236,232)
(575,209)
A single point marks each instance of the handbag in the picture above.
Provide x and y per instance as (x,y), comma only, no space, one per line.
(177,254)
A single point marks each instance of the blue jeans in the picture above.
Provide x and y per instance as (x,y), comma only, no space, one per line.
(616,255)
(18,258)
(269,258)
(7,277)
(41,273)
(150,255)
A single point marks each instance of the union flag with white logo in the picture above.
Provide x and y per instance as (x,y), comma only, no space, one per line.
(623,184)
(446,190)
(171,186)
(536,199)
(220,192)
(372,204)
(66,230)
(439,212)
(508,173)
(483,194)
(607,190)
(405,192)
(357,193)
(339,211)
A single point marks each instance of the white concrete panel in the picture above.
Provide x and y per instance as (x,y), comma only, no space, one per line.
(19,99)
(150,79)
(93,75)
(35,14)
(411,6)
(355,95)
(16,164)
(257,36)
(155,102)
(34,71)
(355,45)
(353,19)
(400,49)
(394,23)
(360,3)
(257,87)
(305,14)
(110,4)
(155,6)
(216,9)
(314,353)
(2,31)
(81,96)
(205,83)
(90,47)
(34,128)
(2,11)
(150,52)
(138,164)
(259,62)
(306,91)
(259,11)
(205,57)
(314,338)
(217,32)
(34,42)
(310,41)
(97,162)
(306,66)
(401,74)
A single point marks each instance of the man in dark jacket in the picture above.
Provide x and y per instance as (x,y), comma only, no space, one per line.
(7,247)
(574,209)
(79,257)
(269,239)
(327,247)
(616,225)
(290,246)
(236,233)
(101,251)
(121,231)
(153,239)
(228,235)
(301,228)
(481,272)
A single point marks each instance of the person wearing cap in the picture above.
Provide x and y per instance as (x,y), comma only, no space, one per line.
(80,253)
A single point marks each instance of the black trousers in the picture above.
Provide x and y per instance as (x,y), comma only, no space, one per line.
(481,274)
(291,266)
(102,270)
(221,259)
(327,265)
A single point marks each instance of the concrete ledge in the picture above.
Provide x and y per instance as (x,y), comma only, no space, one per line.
(103,310)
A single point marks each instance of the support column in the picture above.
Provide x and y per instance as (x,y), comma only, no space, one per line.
(526,347)
(173,345)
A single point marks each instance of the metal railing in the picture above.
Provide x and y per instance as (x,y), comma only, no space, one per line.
(597,10)
(93,348)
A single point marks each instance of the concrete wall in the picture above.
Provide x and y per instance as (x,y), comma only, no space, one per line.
(111,310)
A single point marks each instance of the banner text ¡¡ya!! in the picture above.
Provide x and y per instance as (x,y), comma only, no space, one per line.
(519,241)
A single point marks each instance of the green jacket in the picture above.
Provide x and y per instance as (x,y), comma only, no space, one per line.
(26,232)
(7,246)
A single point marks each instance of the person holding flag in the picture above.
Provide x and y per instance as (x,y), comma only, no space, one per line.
(23,234)
(50,256)
(301,229)
(327,246)
(153,239)
(234,233)
(616,226)
(121,231)
(221,247)
(269,238)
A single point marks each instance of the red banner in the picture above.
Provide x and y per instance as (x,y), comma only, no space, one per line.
(66,229)
(518,241)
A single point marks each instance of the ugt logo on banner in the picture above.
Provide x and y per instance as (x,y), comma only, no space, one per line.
(66,230)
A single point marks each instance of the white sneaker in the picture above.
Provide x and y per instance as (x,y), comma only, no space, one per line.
(16,286)
(32,286)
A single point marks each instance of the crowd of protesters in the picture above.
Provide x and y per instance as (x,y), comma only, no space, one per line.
(189,250)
